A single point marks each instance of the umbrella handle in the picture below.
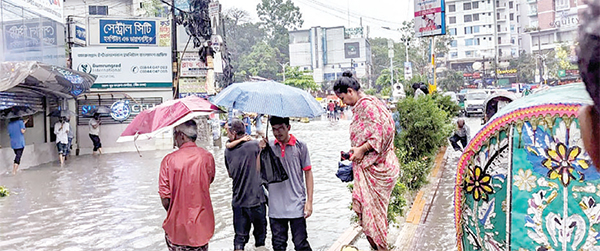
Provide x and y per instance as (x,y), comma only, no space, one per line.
(135,137)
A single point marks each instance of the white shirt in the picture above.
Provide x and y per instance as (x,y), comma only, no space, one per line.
(94,131)
(62,132)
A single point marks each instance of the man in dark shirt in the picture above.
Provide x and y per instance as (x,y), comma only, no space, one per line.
(248,199)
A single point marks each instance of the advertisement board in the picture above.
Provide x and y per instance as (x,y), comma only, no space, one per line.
(164,33)
(191,66)
(28,35)
(127,31)
(430,19)
(192,85)
(352,50)
(52,9)
(125,67)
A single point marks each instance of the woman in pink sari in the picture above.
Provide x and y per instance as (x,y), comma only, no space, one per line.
(375,166)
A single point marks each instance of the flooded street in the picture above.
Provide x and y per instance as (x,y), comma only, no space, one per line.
(110,202)
(438,232)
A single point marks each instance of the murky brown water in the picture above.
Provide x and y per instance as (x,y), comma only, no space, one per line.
(110,202)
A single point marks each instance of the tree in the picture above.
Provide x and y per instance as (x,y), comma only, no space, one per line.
(262,61)
(277,17)
(453,81)
(301,79)
(562,54)
(526,66)
(242,35)
(384,79)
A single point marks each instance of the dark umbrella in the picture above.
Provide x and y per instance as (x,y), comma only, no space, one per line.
(16,112)
(97,109)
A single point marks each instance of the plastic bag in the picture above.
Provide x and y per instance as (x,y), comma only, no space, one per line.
(271,169)
(345,172)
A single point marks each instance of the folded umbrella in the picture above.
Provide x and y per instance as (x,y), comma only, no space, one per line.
(165,116)
(269,97)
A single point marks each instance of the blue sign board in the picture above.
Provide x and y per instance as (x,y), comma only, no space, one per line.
(29,35)
(80,33)
(127,31)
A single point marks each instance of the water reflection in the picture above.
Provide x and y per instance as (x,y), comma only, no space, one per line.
(111,201)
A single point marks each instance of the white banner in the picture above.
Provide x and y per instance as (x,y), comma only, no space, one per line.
(125,67)
(191,66)
(52,9)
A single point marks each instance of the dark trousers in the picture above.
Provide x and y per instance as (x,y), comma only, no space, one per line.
(243,217)
(279,232)
(96,141)
(18,154)
(454,141)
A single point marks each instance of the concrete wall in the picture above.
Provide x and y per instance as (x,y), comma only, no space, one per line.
(33,155)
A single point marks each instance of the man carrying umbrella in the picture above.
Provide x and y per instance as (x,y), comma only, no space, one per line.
(183,185)
(16,131)
(95,133)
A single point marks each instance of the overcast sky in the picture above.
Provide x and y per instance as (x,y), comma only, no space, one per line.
(329,13)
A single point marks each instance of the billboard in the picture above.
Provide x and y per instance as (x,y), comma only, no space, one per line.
(127,31)
(352,50)
(29,35)
(192,66)
(430,18)
(125,67)
(52,9)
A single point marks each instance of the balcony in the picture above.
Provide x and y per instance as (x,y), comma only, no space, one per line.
(531,1)
(532,13)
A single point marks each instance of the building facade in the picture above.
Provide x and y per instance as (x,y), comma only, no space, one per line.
(329,51)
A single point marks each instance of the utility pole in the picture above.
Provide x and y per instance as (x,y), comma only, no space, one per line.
(391,56)
(174,50)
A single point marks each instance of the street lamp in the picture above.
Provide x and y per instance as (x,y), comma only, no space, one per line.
(283,66)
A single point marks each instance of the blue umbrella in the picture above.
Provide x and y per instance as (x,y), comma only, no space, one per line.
(269,97)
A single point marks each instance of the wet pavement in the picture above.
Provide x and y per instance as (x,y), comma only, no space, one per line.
(436,231)
(110,202)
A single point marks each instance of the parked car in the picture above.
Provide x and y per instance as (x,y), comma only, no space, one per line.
(474,101)
(452,96)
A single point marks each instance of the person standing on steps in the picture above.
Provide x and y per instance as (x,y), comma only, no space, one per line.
(95,133)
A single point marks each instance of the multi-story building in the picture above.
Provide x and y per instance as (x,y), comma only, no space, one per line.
(330,51)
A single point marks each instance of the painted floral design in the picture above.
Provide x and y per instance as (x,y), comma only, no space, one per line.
(478,183)
(561,162)
(525,180)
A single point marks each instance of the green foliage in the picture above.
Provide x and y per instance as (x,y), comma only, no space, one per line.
(386,91)
(371,91)
(410,92)
(277,17)
(301,79)
(451,108)
(262,61)
(562,55)
(397,202)
(4,191)
(525,65)
(384,79)
(452,81)
(424,126)
(241,36)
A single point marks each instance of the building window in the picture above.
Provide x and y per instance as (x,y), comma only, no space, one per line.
(512,40)
(469,53)
(517,7)
(453,43)
(466,6)
(499,40)
(471,41)
(533,8)
(518,29)
(499,28)
(497,16)
(511,16)
(513,52)
(468,30)
(468,18)
(562,4)
(475,17)
(510,5)
(475,5)
(452,31)
(98,10)
(517,19)
(519,42)
(476,29)
(453,54)
(452,20)
(451,8)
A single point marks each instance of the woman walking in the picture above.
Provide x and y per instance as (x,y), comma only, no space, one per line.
(375,164)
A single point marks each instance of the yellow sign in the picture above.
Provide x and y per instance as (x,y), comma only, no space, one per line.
(509,71)
(164,33)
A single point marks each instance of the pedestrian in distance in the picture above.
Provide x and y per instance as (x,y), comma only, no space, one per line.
(16,132)
(418,91)
(183,185)
(61,129)
(70,136)
(375,165)
(247,123)
(330,109)
(248,198)
(259,126)
(95,133)
(462,134)
(290,201)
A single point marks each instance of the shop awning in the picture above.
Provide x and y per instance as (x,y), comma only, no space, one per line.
(39,79)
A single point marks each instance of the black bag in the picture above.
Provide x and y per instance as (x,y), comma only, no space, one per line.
(345,172)
(271,169)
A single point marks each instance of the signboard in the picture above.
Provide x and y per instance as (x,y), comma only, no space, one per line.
(125,67)
(353,32)
(430,19)
(407,70)
(562,73)
(164,33)
(20,35)
(127,31)
(78,34)
(183,5)
(121,109)
(52,9)
(214,8)
(192,85)
(352,50)
(191,66)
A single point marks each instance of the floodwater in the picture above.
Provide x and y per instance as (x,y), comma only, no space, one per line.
(110,202)
(437,232)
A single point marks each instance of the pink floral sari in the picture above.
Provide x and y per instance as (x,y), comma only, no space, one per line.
(375,176)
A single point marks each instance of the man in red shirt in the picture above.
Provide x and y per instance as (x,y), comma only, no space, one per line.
(183,185)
